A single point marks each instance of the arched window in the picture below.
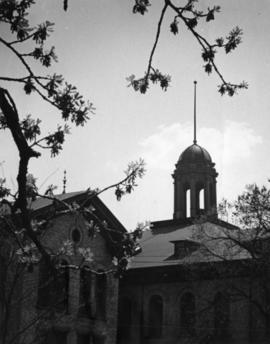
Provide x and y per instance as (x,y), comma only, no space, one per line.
(85,292)
(201,200)
(83,338)
(98,340)
(124,319)
(221,314)
(188,202)
(101,294)
(200,197)
(53,287)
(62,287)
(187,313)
(45,285)
(76,235)
(155,316)
(3,277)
(55,337)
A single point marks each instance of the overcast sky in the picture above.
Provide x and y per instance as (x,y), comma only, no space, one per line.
(99,43)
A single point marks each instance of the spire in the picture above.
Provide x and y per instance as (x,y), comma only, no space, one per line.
(195,124)
(64,182)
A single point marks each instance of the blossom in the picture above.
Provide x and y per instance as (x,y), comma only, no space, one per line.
(28,254)
(86,253)
(67,248)
(115,261)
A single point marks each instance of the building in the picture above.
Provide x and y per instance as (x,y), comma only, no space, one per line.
(79,306)
(189,284)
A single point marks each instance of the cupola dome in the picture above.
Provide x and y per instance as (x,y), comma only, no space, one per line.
(195,154)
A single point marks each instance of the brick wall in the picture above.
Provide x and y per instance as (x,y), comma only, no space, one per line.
(204,292)
(89,329)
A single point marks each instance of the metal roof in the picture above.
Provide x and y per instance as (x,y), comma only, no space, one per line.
(41,202)
(157,247)
(194,154)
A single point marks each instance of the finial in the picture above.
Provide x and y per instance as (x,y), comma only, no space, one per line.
(195,124)
(64,182)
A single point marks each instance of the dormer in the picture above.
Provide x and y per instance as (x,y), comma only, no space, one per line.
(184,248)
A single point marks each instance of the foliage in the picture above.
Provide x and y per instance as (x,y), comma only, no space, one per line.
(125,244)
(22,230)
(4,191)
(251,212)
(244,247)
(134,170)
(28,44)
(190,16)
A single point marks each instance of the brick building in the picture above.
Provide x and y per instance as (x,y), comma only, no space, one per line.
(176,290)
(80,306)
(187,285)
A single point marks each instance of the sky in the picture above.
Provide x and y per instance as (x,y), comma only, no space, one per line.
(99,44)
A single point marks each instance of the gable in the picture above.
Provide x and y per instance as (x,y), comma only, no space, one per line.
(43,206)
(61,224)
(59,236)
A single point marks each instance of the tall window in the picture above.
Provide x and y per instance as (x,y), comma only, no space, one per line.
(101,294)
(221,314)
(45,285)
(83,338)
(187,313)
(55,337)
(124,319)
(98,340)
(85,293)
(155,316)
(53,287)
(61,287)
(3,272)
(188,202)
(201,200)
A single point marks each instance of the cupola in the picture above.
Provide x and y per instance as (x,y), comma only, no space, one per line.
(194,180)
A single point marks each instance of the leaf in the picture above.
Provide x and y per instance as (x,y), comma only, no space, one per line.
(210,16)
(141,6)
(30,127)
(192,22)
(233,40)
(164,82)
(28,86)
(65,5)
(221,89)
(21,34)
(37,53)
(144,86)
(174,27)
(208,68)
(208,55)
(118,193)
(220,41)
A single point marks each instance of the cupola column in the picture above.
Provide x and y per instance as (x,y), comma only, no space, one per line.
(207,196)
(193,199)
(179,200)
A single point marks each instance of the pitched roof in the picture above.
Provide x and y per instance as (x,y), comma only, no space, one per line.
(41,202)
(41,205)
(157,245)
